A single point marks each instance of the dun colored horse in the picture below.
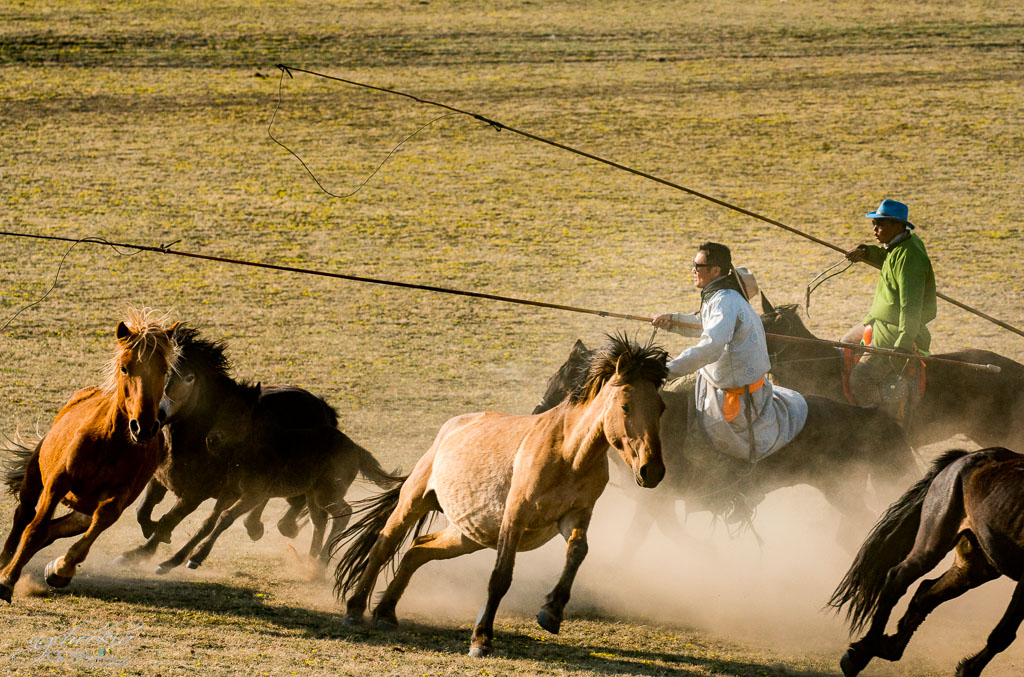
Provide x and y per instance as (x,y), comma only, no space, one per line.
(199,382)
(512,483)
(266,457)
(838,450)
(96,458)
(970,503)
(987,408)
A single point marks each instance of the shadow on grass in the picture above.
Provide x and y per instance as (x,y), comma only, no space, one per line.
(263,616)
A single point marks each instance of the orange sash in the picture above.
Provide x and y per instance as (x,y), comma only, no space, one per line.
(731,406)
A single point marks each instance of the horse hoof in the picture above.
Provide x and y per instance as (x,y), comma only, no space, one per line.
(288,528)
(351,622)
(192,564)
(255,532)
(479,651)
(52,578)
(549,621)
(163,569)
(853,662)
(5,592)
(385,624)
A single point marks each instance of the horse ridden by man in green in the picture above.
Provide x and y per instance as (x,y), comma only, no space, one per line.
(903,305)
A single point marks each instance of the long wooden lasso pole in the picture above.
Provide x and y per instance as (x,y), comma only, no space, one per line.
(166,249)
(651,177)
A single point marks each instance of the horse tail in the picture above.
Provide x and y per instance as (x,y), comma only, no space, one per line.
(372,515)
(18,453)
(888,544)
(371,469)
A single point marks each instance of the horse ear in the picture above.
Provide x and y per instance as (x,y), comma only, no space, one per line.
(620,365)
(578,347)
(766,305)
(259,388)
(123,332)
(170,330)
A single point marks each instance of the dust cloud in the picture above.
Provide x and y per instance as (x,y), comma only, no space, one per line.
(771,595)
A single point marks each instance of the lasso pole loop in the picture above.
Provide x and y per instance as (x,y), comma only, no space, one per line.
(722,203)
(166,249)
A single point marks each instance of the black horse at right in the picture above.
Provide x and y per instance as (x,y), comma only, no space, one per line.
(970,502)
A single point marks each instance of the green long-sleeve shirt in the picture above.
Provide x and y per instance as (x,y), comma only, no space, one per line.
(904,297)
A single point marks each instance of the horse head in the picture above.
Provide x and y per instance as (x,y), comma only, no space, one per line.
(569,376)
(190,383)
(626,378)
(234,420)
(138,372)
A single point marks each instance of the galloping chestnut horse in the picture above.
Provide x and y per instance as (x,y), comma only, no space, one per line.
(988,408)
(970,503)
(96,458)
(511,483)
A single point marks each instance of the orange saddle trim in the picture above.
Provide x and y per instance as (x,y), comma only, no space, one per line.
(851,358)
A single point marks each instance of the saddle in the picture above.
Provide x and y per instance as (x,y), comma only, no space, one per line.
(915,371)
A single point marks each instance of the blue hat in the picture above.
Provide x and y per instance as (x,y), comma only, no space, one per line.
(891,209)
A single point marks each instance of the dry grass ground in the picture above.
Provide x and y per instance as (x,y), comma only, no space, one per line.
(148,123)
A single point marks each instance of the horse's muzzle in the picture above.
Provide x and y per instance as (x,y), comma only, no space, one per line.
(648,475)
(140,436)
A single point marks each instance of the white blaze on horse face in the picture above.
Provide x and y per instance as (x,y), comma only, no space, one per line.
(631,425)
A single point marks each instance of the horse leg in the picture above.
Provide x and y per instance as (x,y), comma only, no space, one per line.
(970,569)
(288,525)
(247,502)
(445,544)
(412,505)
(937,534)
(340,513)
(254,521)
(855,519)
(318,516)
(574,529)
(1000,638)
(65,526)
(224,501)
(28,497)
(59,572)
(497,586)
(181,509)
(33,535)
(153,494)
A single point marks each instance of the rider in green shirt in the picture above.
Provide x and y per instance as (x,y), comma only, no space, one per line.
(903,305)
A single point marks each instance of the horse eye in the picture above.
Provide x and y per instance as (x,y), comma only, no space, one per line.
(625,408)
(189,378)
(124,369)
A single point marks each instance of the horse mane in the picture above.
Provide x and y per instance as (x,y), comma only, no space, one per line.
(647,362)
(148,335)
(200,354)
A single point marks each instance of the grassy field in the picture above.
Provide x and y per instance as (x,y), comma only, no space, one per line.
(142,122)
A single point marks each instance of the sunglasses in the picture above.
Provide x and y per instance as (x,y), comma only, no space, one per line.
(701,265)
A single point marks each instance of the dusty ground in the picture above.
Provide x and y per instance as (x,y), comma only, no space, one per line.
(142,123)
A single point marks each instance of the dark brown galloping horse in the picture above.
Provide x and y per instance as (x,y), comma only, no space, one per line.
(96,458)
(988,408)
(970,503)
